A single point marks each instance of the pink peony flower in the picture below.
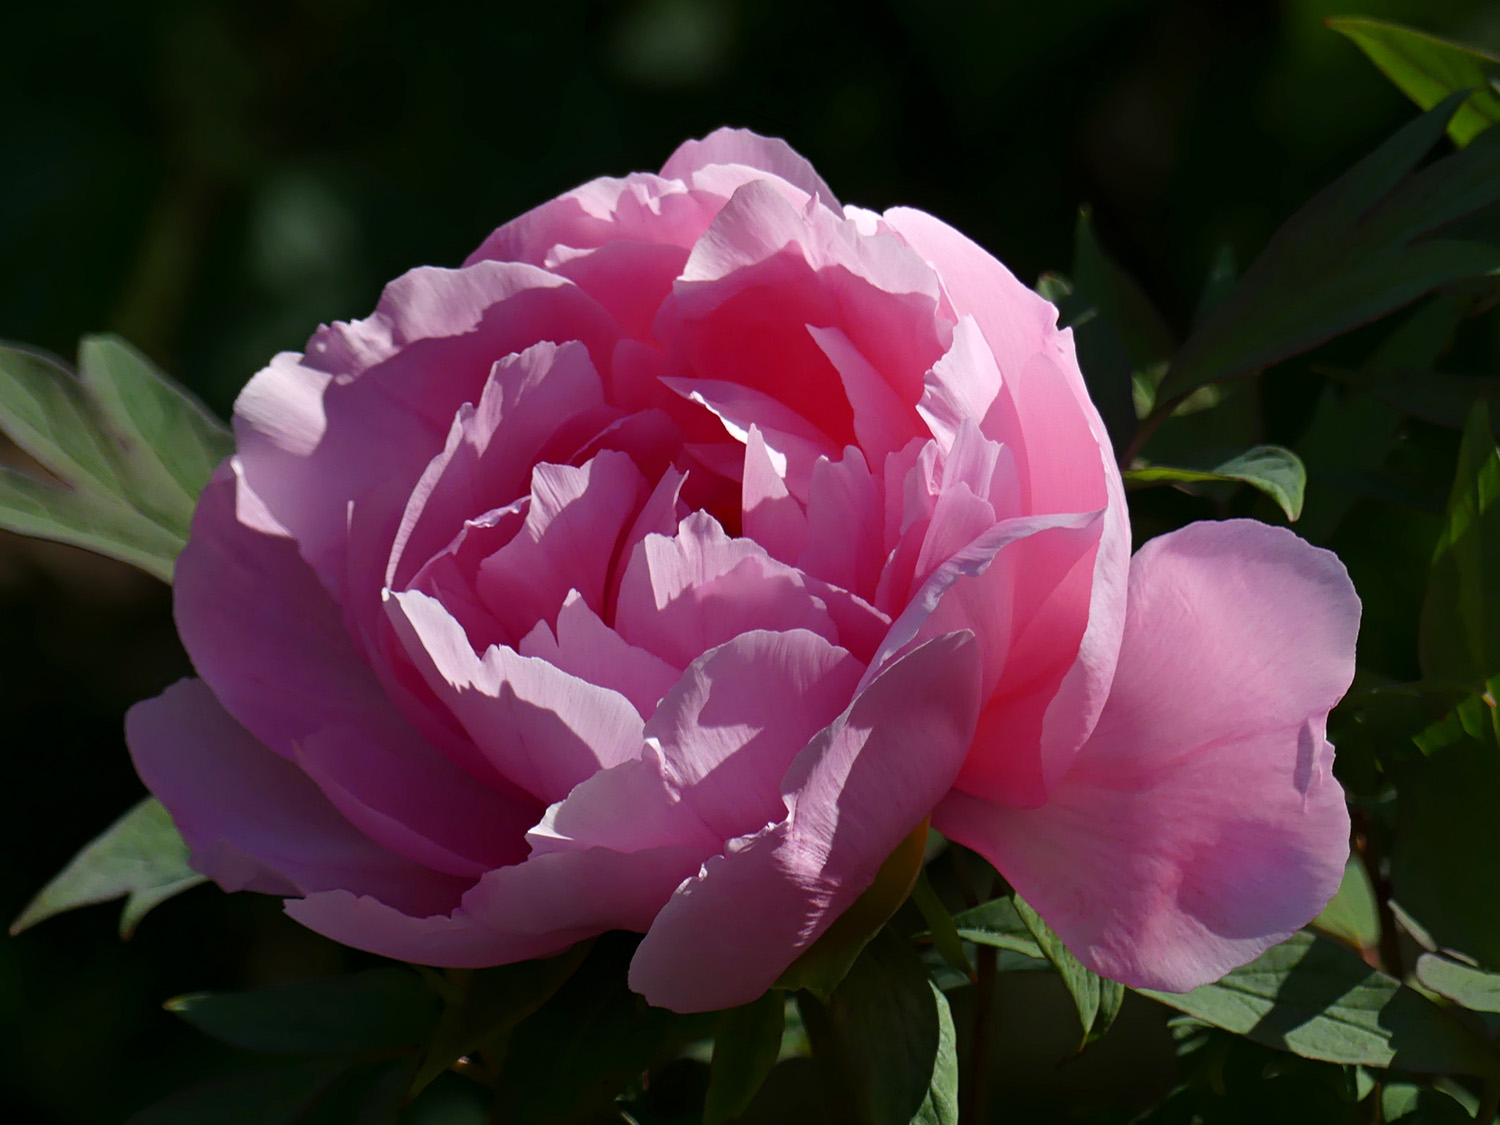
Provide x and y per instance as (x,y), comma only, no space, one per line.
(663,567)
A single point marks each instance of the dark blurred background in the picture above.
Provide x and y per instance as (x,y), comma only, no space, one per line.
(212,180)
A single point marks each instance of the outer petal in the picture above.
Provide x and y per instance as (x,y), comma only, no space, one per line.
(852,795)
(253,820)
(740,146)
(1200,824)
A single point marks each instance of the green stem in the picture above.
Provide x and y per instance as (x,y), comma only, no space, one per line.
(975,1097)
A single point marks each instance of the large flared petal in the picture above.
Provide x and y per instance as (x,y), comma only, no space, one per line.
(1200,824)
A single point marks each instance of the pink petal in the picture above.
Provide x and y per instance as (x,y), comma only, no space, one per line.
(763,154)
(532,402)
(882,422)
(844,519)
(961,386)
(770,514)
(852,795)
(572,531)
(741,712)
(584,646)
(252,819)
(539,727)
(680,597)
(1200,824)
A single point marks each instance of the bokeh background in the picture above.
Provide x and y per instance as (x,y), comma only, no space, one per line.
(213,179)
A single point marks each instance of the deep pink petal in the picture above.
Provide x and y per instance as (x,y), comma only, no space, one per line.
(253,820)
(1200,824)
(852,795)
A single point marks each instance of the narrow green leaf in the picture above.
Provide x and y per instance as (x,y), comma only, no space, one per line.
(1428,69)
(168,440)
(1440,870)
(823,964)
(89,520)
(492,1002)
(1412,1104)
(140,856)
(940,925)
(345,1015)
(1317,998)
(891,1033)
(276,1096)
(999,924)
(569,1060)
(1273,470)
(1352,915)
(747,1042)
(1223,272)
(1359,249)
(45,410)
(1467,985)
(1097,999)
(1460,627)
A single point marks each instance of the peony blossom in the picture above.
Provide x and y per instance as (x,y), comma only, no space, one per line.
(667,564)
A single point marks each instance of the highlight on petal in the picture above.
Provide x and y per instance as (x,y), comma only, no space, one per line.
(850,796)
(741,146)
(1200,823)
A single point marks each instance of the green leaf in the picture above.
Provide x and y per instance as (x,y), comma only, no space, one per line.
(889,1033)
(1460,628)
(1352,915)
(999,924)
(170,444)
(1275,471)
(1357,250)
(1097,999)
(129,452)
(344,1015)
(1317,998)
(571,1058)
(1420,1105)
(490,1004)
(140,856)
(823,964)
(1467,985)
(747,1043)
(1427,70)
(1440,869)
(940,925)
(277,1096)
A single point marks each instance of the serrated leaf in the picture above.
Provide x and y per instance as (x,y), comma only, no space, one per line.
(1273,470)
(1361,248)
(275,1096)
(747,1043)
(1317,998)
(1428,69)
(1460,627)
(1472,987)
(891,1034)
(344,1015)
(1096,998)
(140,856)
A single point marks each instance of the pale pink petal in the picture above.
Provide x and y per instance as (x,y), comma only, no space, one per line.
(253,820)
(882,422)
(961,386)
(852,795)
(843,524)
(584,646)
(540,727)
(742,147)
(538,403)
(1200,824)
(769,513)
(741,712)
(681,596)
